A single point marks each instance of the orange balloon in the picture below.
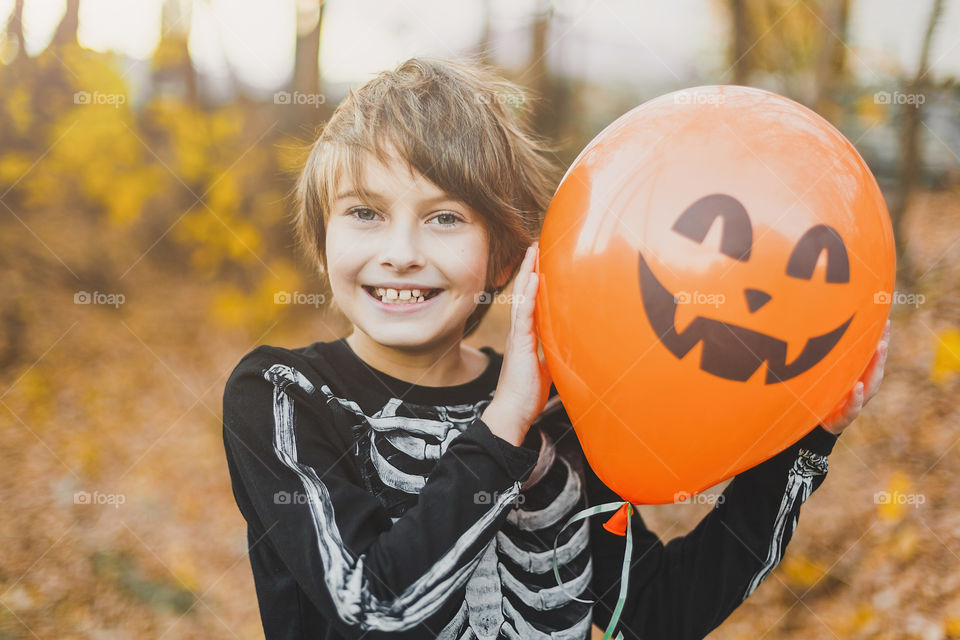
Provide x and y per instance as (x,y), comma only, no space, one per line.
(716,270)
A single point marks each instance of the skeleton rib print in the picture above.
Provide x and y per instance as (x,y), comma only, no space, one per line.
(508,589)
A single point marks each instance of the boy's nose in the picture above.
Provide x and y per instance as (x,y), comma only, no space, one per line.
(756,299)
(401,249)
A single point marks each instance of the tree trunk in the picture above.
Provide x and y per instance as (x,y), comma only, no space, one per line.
(66,32)
(740,42)
(15,31)
(176,67)
(832,61)
(910,149)
(546,112)
(306,64)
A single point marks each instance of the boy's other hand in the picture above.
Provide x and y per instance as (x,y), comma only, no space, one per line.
(866,387)
(524,383)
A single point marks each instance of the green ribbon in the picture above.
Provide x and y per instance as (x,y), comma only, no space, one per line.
(624,572)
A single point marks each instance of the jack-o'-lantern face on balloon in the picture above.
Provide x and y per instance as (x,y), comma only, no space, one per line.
(733,351)
(715,272)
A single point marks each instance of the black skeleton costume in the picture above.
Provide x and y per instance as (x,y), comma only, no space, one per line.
(380,508)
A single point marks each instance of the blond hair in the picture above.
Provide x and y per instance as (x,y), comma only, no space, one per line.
(460,126)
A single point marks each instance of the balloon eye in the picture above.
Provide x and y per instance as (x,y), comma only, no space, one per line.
(737,232)
(805,255)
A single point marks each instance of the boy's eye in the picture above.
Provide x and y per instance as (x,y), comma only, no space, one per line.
(360,213)
(447,219)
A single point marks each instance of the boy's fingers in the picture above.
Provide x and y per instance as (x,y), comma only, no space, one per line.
(857,399)
(522,320)
(876,374)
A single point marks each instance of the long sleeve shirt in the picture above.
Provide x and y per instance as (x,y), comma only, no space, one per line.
(379,508)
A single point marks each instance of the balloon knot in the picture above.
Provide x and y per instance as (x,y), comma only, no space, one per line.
(617,524)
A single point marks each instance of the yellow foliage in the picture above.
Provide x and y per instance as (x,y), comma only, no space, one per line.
(129,191)
(951,627)
(228,308)
(906,542)
(856,619)
(17,102)
(231,308)
(870,111)
(224,196)
(13,167)
(801,571)
(947,358)
(891,503)
(184,568)
(245,241)
(86,454)
(35,389)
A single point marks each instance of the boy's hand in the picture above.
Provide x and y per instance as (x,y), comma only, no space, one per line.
(849,408)
(524,383)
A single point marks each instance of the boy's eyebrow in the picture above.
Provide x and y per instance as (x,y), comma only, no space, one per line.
(443,197)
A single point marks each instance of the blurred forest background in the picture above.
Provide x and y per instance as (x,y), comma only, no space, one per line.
(145,237)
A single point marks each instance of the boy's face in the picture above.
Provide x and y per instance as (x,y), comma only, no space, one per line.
(409,236)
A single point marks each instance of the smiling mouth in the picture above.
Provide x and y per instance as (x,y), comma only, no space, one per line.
(729,351)
(424,295)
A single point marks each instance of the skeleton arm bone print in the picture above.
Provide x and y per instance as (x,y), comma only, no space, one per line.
(358,567)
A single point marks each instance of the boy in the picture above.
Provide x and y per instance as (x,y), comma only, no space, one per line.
(397,483)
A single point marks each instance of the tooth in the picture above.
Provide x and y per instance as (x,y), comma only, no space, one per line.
(381,292)
(391,294)
(420,299)
(405,294)
(416,293)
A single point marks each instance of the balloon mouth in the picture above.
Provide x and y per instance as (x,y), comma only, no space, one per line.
(729,351)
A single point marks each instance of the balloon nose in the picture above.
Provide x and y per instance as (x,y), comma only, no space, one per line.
(756,299)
